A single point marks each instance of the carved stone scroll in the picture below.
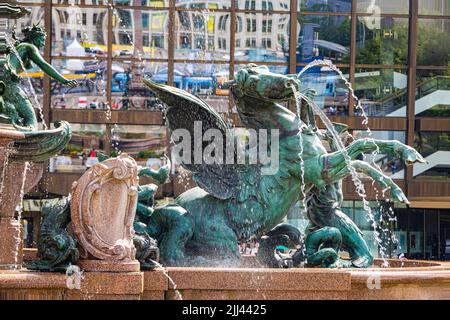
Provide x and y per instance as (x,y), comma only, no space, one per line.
(103,209)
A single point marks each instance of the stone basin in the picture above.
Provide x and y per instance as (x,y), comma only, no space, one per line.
(18,177)
(415,280)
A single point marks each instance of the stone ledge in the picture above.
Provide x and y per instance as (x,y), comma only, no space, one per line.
(257,295)
(260,279)
(32,280)
(155,281)
(417,277)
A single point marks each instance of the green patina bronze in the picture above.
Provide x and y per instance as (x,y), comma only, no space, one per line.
(57,246)
(236,202)
(18,56)
(16,109)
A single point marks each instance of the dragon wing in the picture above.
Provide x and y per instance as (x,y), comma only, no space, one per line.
(184,109)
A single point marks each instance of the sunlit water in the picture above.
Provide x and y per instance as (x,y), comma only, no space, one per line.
(20,210)
(166,274)
(7,152)
(340,146)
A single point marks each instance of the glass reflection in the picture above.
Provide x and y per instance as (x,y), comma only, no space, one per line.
(383,92)
(202,35)
(204,80)
(434,7)
(432,93)
(140,33)
(146,144)
(205,4)
(262,37)
(435,147)
(146,3)
(376,7)
(84,149)
(382,40)
(325,6)
(433,42)
(91,91)
(331,91)
(128,90)
(79,31)
(323,37)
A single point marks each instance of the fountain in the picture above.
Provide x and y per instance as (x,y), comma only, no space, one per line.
(23,148)
(92,229)
(108,239)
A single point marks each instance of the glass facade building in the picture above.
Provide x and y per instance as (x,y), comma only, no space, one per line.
(396,55)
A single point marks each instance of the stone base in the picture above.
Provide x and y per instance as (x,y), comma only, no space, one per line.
(10,234)
(423,280)
(109,266)
(29,285)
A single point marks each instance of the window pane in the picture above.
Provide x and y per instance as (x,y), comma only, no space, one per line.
(140,33)
(262,37)
(383,92)
(391,166)
(332,93)
(79,31)
(433,42)
(434,7)
(382,40)
(325,6)
(207,4)
(416,233)
(91,92)
(202,36)
(323,37)
(128,91)
(146,3)
(146,144)
(83,150)
(204,81)
(266,5)
(435,147)
(382,6)
(433,93)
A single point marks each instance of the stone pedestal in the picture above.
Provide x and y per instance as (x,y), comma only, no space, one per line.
(103,208)
(10,235)
(12,187)
(11,176)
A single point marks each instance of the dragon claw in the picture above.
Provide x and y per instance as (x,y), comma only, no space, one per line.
(411,156)
(399,196)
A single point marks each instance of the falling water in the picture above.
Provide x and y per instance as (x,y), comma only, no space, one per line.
(20,210)
(371,140)
(102,85)
(340,146)
(166,274)
(298,103)
(7,151)
(30,85)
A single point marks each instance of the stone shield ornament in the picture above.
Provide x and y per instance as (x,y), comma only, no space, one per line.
(102,211)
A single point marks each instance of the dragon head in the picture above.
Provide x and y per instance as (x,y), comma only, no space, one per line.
(258,82)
